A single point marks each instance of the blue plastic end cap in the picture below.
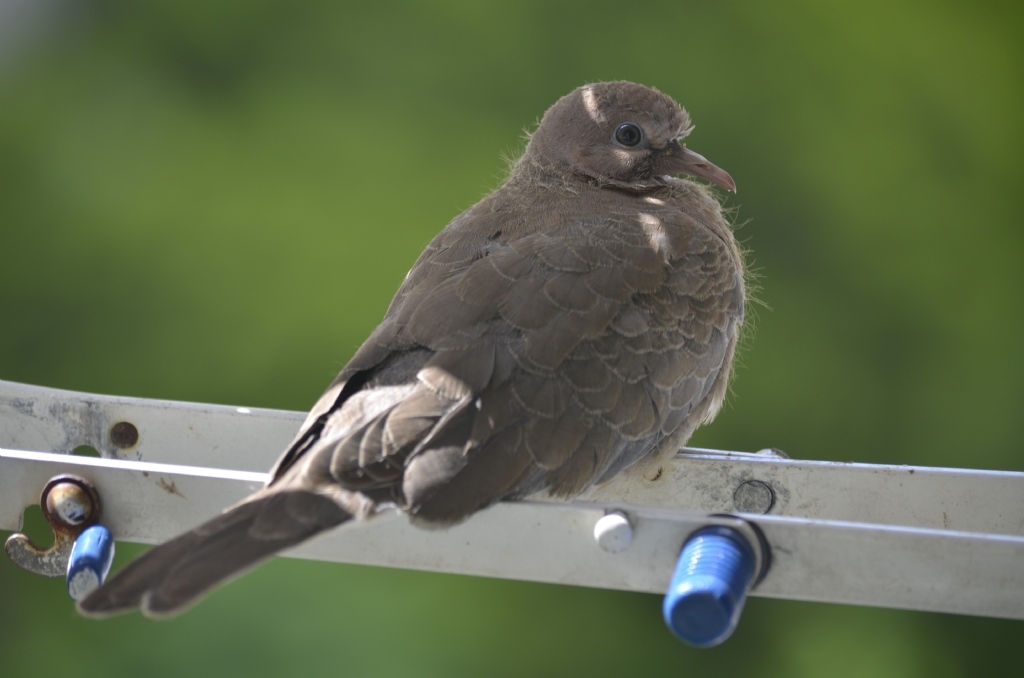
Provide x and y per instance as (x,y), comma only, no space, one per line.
(709,587)
(90,561)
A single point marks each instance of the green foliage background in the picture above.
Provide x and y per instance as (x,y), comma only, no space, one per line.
(216,201)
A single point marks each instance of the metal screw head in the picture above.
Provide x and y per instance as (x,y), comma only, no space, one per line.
(69,503)
(754,496)
(124,435)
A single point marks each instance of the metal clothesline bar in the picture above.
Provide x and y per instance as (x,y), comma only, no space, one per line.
(947,540)
(250,439)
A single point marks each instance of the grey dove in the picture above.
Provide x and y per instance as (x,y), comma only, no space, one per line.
(577,323)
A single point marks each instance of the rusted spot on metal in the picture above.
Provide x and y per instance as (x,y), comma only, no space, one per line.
(70,504)
(169,488)
(124,435)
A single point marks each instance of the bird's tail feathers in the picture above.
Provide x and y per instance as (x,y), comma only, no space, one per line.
(170,577)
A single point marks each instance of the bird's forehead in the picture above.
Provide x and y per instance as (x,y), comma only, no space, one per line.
(606,103)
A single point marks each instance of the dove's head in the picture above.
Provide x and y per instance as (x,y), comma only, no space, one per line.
(622,134)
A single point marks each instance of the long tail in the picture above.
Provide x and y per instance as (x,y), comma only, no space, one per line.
(172,576)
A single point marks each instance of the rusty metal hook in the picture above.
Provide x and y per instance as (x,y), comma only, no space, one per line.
(70,504)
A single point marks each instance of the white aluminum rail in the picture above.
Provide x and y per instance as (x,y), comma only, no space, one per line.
(948,540)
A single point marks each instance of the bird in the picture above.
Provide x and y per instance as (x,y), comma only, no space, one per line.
(574,326)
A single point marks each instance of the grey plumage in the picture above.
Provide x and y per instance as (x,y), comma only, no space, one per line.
(549,338)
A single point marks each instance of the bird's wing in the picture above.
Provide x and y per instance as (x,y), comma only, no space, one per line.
(550,360)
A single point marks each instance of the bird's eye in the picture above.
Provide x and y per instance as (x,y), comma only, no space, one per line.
(629,134)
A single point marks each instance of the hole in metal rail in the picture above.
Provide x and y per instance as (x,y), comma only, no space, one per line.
(85,451)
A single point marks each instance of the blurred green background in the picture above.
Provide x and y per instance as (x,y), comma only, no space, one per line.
(215,202)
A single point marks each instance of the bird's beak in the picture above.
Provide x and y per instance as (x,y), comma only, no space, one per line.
(678,159)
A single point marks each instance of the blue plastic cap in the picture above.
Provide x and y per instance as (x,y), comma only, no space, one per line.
(90,561)
(709,587)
